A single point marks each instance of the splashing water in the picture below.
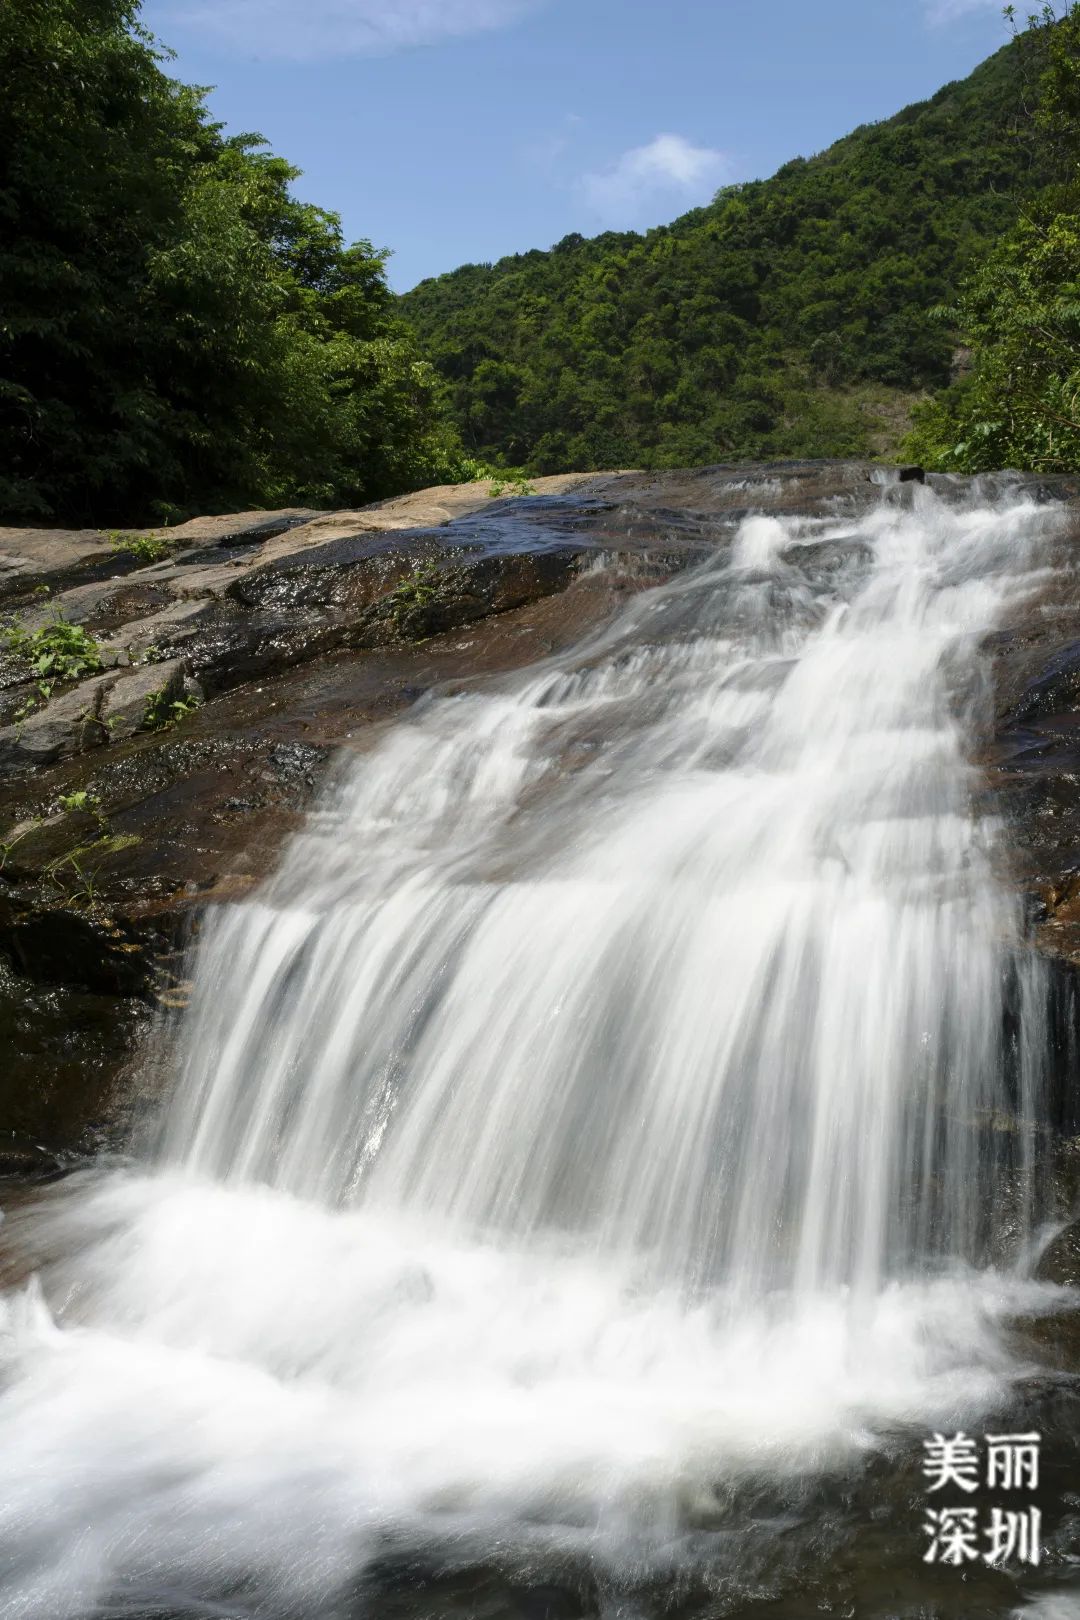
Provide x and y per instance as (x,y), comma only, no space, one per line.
(596,1108)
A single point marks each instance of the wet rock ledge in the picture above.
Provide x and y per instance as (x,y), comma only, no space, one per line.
(214,668)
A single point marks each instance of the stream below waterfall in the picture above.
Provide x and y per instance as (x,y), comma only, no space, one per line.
(598,1158)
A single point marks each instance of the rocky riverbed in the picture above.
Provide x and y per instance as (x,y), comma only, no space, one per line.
(223,667)
(234,655)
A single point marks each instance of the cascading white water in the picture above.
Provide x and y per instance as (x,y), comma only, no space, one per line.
(687,945)
(582,1116)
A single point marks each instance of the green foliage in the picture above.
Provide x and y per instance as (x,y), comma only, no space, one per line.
(146,548)
(419,587)
(512,484)
(163,710)
(69,875)
(178,332)
(406,604)
(1020,310)
(787,318)
(471,471)
(72,874)
(59,653)
(82,800)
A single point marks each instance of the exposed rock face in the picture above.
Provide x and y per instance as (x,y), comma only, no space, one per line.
(1036,746)
(124,809)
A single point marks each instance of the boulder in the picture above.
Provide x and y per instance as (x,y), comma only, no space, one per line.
(67,724)
(141,699)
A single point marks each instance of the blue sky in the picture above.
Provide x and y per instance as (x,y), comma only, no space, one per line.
(456,131)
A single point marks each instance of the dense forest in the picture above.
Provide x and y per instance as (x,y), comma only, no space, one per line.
(1019,305)
(179,333)
(799,315)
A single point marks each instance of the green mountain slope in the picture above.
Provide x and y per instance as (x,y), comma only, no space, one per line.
(789,317)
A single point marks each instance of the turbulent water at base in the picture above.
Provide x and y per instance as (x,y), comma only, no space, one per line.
(608,1102)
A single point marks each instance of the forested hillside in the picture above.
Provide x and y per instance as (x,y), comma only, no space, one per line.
(180,334)
(177,332)
(789,317)
(1019,307)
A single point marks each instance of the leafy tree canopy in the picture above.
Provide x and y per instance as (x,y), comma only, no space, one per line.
(177,331)
(1020,310)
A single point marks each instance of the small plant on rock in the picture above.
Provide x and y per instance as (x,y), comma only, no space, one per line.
(162,711)
(72,875)
(59,654)
(146,548)
(511,484)
(416,592)
(421,586)
(84,801)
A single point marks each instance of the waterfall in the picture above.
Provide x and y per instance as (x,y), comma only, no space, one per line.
(686,945)
(606,1099)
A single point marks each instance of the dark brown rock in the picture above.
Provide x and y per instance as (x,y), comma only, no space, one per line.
(1059,1262)
(140,698)
(69,723)
(114,840)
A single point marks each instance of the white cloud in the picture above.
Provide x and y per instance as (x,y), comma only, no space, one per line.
(668,168)
(939,12)
(309,29)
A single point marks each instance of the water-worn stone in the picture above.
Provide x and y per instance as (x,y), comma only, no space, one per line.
(109,856)
(30,558)
(67,724)
(83,949)
(1060,1261)
(141,698)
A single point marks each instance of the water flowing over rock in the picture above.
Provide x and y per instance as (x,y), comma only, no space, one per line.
(689,941)
(615,1131)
